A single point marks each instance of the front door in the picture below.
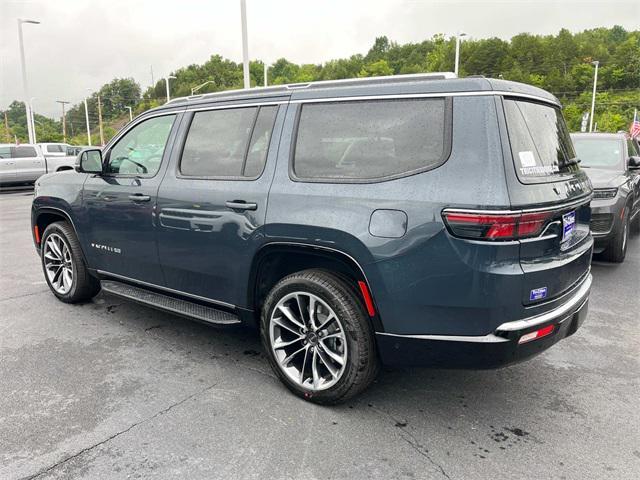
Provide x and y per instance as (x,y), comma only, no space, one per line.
(212,203)
(119,205)
(7,165)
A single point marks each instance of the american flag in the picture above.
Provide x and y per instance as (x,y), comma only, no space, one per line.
(634,130)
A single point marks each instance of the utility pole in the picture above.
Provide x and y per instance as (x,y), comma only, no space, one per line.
(33,120)
(266,70)
(100,122)
(64,120)
(245,47)
(130,114)
(24,78)
(459,36)
(166,79)
(6,127)
(153,83)
(593,96)
(86,117)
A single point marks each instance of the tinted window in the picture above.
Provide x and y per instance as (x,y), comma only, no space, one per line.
(599,152)
(55,148)
(228,142)
(5,152)
(23,152)
(540,141)
(140,150)
(369,139)
(633,148)
(257,153)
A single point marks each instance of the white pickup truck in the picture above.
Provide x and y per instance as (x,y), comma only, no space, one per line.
(25,163)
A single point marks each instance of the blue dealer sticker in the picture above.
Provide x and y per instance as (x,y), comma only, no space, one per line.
(538,293)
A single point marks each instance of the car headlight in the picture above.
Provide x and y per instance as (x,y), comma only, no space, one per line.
(600,193)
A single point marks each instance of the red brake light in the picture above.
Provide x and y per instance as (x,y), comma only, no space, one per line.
(488,226)
(543,332)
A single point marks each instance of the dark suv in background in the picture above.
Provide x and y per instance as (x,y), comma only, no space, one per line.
(612,162)
(416,219)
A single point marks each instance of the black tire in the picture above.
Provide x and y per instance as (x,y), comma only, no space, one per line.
(362,364)
(84,286)
(617,248)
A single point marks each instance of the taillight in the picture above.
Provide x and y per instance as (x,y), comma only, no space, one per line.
(498,226)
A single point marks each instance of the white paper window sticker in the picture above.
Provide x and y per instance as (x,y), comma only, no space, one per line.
(527,159)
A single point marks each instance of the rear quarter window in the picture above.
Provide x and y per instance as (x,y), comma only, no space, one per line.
(24,152)
(370,140)
(540,142)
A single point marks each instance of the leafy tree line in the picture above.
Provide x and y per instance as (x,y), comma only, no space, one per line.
(559,63)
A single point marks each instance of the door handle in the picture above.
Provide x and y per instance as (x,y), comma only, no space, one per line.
(138,197)
(241,205)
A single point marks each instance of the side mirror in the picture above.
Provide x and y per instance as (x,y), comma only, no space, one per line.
(89,161)
(634,163)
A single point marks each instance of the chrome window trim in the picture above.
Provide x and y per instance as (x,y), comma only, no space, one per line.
(166,289)
(499,93)
(559,206)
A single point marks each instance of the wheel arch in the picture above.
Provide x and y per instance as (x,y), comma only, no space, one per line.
(275,260)
(45,216)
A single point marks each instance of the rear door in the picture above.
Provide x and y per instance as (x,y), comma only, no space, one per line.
(213,200)
(29,163)
(546,180)
(7,165)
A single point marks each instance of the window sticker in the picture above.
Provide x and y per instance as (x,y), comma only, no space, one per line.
(540,170)
(527,159)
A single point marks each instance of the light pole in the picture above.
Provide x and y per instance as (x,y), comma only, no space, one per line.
(245,47)
(24,79)
(195,89)
(86,117)
(130,114)
(166,79)
(33,119)
(459,35)
(266,71)
(593,97)
(64,121)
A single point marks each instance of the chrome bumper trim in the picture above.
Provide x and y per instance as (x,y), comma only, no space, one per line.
(579,298)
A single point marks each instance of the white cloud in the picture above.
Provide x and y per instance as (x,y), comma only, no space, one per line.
(84,44)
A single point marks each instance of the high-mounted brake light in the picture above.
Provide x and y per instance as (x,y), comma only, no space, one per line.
(499,226)
(543,332)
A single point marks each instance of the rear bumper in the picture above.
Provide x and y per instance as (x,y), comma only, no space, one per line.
(496,349)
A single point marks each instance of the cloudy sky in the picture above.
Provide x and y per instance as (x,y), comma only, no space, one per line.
(82,44)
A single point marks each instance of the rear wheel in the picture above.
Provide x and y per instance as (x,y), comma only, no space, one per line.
(617,248)
(63,265)
(317,336)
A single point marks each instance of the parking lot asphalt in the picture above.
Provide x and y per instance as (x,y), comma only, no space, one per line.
(110,389)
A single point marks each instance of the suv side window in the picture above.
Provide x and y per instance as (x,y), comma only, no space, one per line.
(5,152)
(228,142)
(23,152)
(369,140)
(633,150)
(140,150)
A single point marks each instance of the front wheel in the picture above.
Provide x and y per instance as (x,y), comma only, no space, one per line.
(317,336)
(64,268)
(617,249)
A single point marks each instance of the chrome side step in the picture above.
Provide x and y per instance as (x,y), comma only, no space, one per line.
(169,304)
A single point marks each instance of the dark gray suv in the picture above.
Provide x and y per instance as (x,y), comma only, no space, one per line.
(418,219)
(612,162)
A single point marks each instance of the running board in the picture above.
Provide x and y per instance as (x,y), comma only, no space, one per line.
(169,304)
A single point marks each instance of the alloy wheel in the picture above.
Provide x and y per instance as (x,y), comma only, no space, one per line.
(308,341)
(58,263)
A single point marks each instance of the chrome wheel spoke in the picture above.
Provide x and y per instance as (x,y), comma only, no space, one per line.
(327,322)
(290,316)
(282,344)
(327,363)
(278,321)
(314,370)
(287,360)
(304,365)
(334,356)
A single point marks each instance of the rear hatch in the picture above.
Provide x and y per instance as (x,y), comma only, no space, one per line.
(548,185)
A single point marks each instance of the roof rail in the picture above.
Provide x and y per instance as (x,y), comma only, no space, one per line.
(323,83)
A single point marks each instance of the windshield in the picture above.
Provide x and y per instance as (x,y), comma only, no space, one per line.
(599,152)
(540,141)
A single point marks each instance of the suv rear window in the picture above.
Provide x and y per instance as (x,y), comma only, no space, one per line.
(368,140)
(540,141)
